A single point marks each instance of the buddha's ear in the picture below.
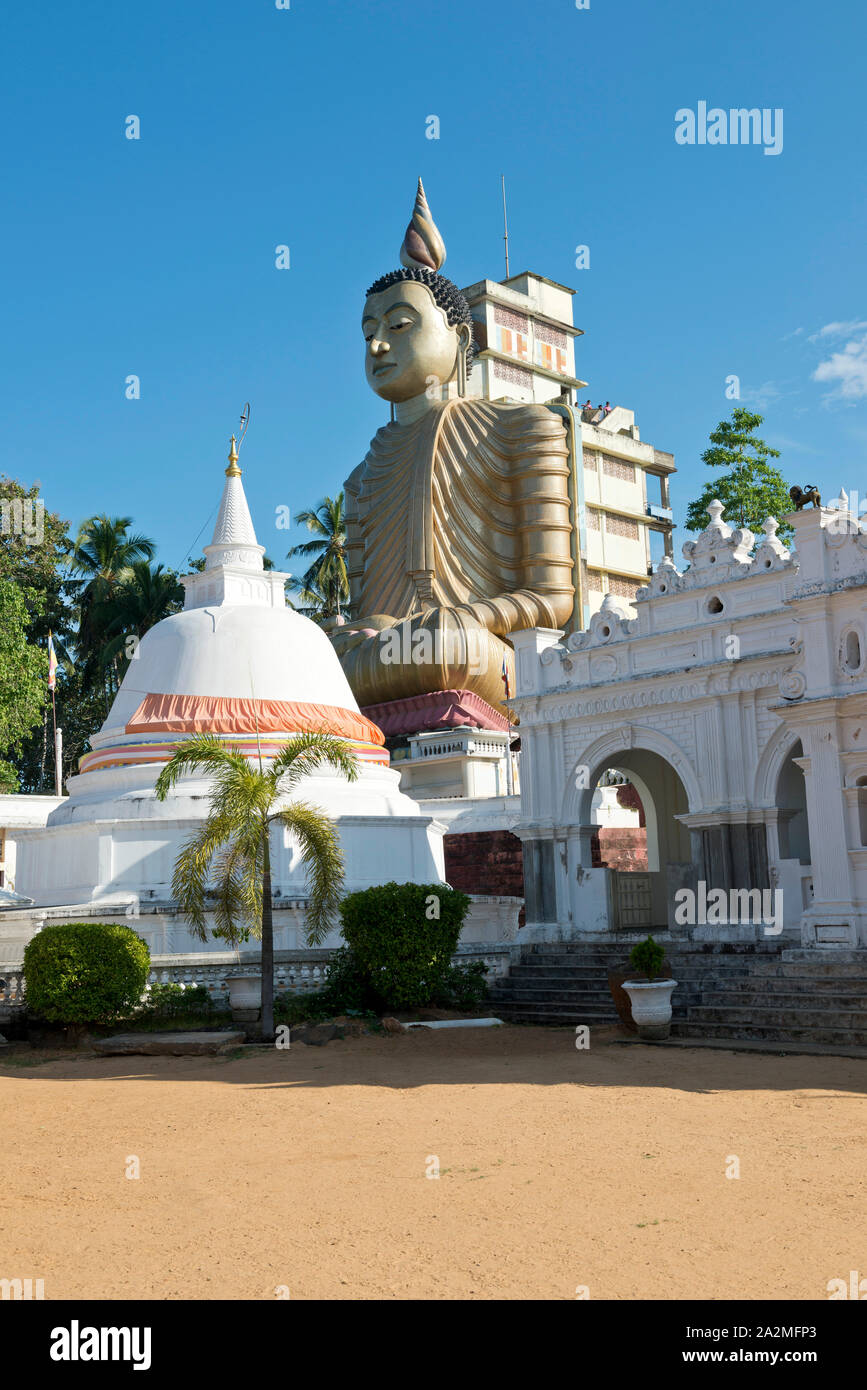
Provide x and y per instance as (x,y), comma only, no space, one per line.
(465,338)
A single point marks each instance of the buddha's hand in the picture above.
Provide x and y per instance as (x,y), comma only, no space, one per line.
(442,649)
(347,635)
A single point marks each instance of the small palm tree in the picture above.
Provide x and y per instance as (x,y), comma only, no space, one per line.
(232,847)
(326,583)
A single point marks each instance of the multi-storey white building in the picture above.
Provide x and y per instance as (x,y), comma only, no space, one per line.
(524,330)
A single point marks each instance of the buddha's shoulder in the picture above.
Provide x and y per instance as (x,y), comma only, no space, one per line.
(515,417)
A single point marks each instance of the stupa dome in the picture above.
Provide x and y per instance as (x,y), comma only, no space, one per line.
(234,652)
(237,662)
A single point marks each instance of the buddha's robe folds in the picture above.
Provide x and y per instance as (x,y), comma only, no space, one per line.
(458,525)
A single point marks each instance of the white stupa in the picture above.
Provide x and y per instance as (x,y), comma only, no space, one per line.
(237,662)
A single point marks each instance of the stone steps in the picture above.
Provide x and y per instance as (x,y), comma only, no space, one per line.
(796,984)
(563,1018)
(760,999)
(760,991)
(791,1033)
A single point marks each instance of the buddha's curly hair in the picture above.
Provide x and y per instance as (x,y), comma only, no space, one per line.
(446,296)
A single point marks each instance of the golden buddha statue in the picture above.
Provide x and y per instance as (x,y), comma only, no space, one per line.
(458,519)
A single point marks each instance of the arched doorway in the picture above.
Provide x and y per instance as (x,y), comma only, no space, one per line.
(642,895)
(791,800)
(793,870)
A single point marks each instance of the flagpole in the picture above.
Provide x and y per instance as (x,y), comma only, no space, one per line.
(58,766)
(504,673)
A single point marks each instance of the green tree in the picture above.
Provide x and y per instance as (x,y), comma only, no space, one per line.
(143,596)
(33,552)
(232,848)
(23,678)
(100,559)
(324,586)
(752,489)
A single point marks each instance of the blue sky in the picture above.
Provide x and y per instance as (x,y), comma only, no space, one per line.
(306,127)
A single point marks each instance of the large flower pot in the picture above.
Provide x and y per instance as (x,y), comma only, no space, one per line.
(622,1003)
(651,1006)
(245,996)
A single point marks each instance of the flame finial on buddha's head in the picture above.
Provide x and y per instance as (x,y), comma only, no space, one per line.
(422,244)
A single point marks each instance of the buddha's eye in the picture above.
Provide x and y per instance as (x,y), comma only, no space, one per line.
(400,323)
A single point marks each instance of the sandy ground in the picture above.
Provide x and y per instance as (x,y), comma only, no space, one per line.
(305,1170)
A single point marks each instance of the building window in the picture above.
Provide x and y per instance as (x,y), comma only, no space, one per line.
(546,334)
(516,375)
(507,318)
(619,526)
(861,785)
(592,519)
(622,588)
(616,468)
(851,653)
(714,605)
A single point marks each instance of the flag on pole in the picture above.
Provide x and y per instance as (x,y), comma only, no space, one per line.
(504,672)
(52,663)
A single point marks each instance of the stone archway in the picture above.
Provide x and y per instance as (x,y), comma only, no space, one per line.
(668,788)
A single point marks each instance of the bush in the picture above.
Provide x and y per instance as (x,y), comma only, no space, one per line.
(347,988)
(85,972)
(169,1002)
(402,937)
(464,986)
(646,958)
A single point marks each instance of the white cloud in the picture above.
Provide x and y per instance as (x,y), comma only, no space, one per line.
(761,396)
(846,369)
(838,330)
(794,334)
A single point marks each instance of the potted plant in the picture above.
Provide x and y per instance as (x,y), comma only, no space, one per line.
(616,977)
(650,997)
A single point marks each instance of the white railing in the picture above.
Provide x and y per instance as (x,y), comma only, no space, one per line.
(487,743)
(11,988)
(294,972)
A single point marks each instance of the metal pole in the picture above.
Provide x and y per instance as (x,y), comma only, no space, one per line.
(58,762)
(505,226)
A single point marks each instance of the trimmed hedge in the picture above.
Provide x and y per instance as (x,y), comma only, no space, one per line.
(85,972)
(402,937)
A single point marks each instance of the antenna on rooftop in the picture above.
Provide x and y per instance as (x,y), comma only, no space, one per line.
(245,420)
(505,226)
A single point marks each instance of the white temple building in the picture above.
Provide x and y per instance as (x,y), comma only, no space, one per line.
(238,663)
(735,702)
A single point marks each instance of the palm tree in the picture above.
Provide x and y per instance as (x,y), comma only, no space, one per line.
(144,596)
(314,603)
(326,582)
(233,844)
(99,559)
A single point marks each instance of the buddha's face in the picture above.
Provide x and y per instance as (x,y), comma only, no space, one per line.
(408,341)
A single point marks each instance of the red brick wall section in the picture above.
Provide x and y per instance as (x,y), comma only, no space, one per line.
(486,861)
(620,848)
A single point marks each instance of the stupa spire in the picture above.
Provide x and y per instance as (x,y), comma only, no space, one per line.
(233,471)
(234,540)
